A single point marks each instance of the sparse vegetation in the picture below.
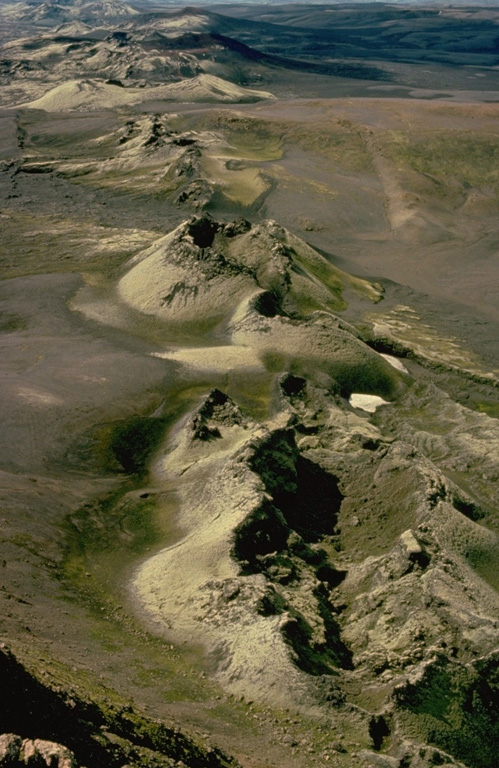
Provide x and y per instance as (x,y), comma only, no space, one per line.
(452,159)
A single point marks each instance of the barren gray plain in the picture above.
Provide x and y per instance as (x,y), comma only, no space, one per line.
(249,438)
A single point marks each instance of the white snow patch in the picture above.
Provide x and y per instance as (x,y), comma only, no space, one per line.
(395,362)
(367,403)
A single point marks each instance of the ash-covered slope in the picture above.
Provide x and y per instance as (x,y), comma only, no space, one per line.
(179,51)
(56,12)
(304,51)
(270,298)
(262,289)
(383,616)
(62,729)
(93,94)
(327,560)
(214,482)
(115,43)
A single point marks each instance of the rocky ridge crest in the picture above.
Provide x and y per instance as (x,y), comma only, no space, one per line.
(321,539)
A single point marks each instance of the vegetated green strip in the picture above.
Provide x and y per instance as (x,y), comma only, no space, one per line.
(81,134)
(338,142)
(485,564)
(456,708)
(255,144)
(491,409)
(267,139)
(310,300)
(37,244)
(105,539)
(132,441)
(124,524)
(457,157)
(117,523)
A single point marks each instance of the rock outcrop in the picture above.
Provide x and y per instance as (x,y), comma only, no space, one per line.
(16,752)
(52,726)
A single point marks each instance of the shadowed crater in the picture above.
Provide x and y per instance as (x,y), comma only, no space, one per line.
(203,231)
(307,496)
(262,532)
(267,304)
(279,540)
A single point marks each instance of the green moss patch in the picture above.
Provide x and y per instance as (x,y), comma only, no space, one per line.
(456,708)
(456,158)
(132,442)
